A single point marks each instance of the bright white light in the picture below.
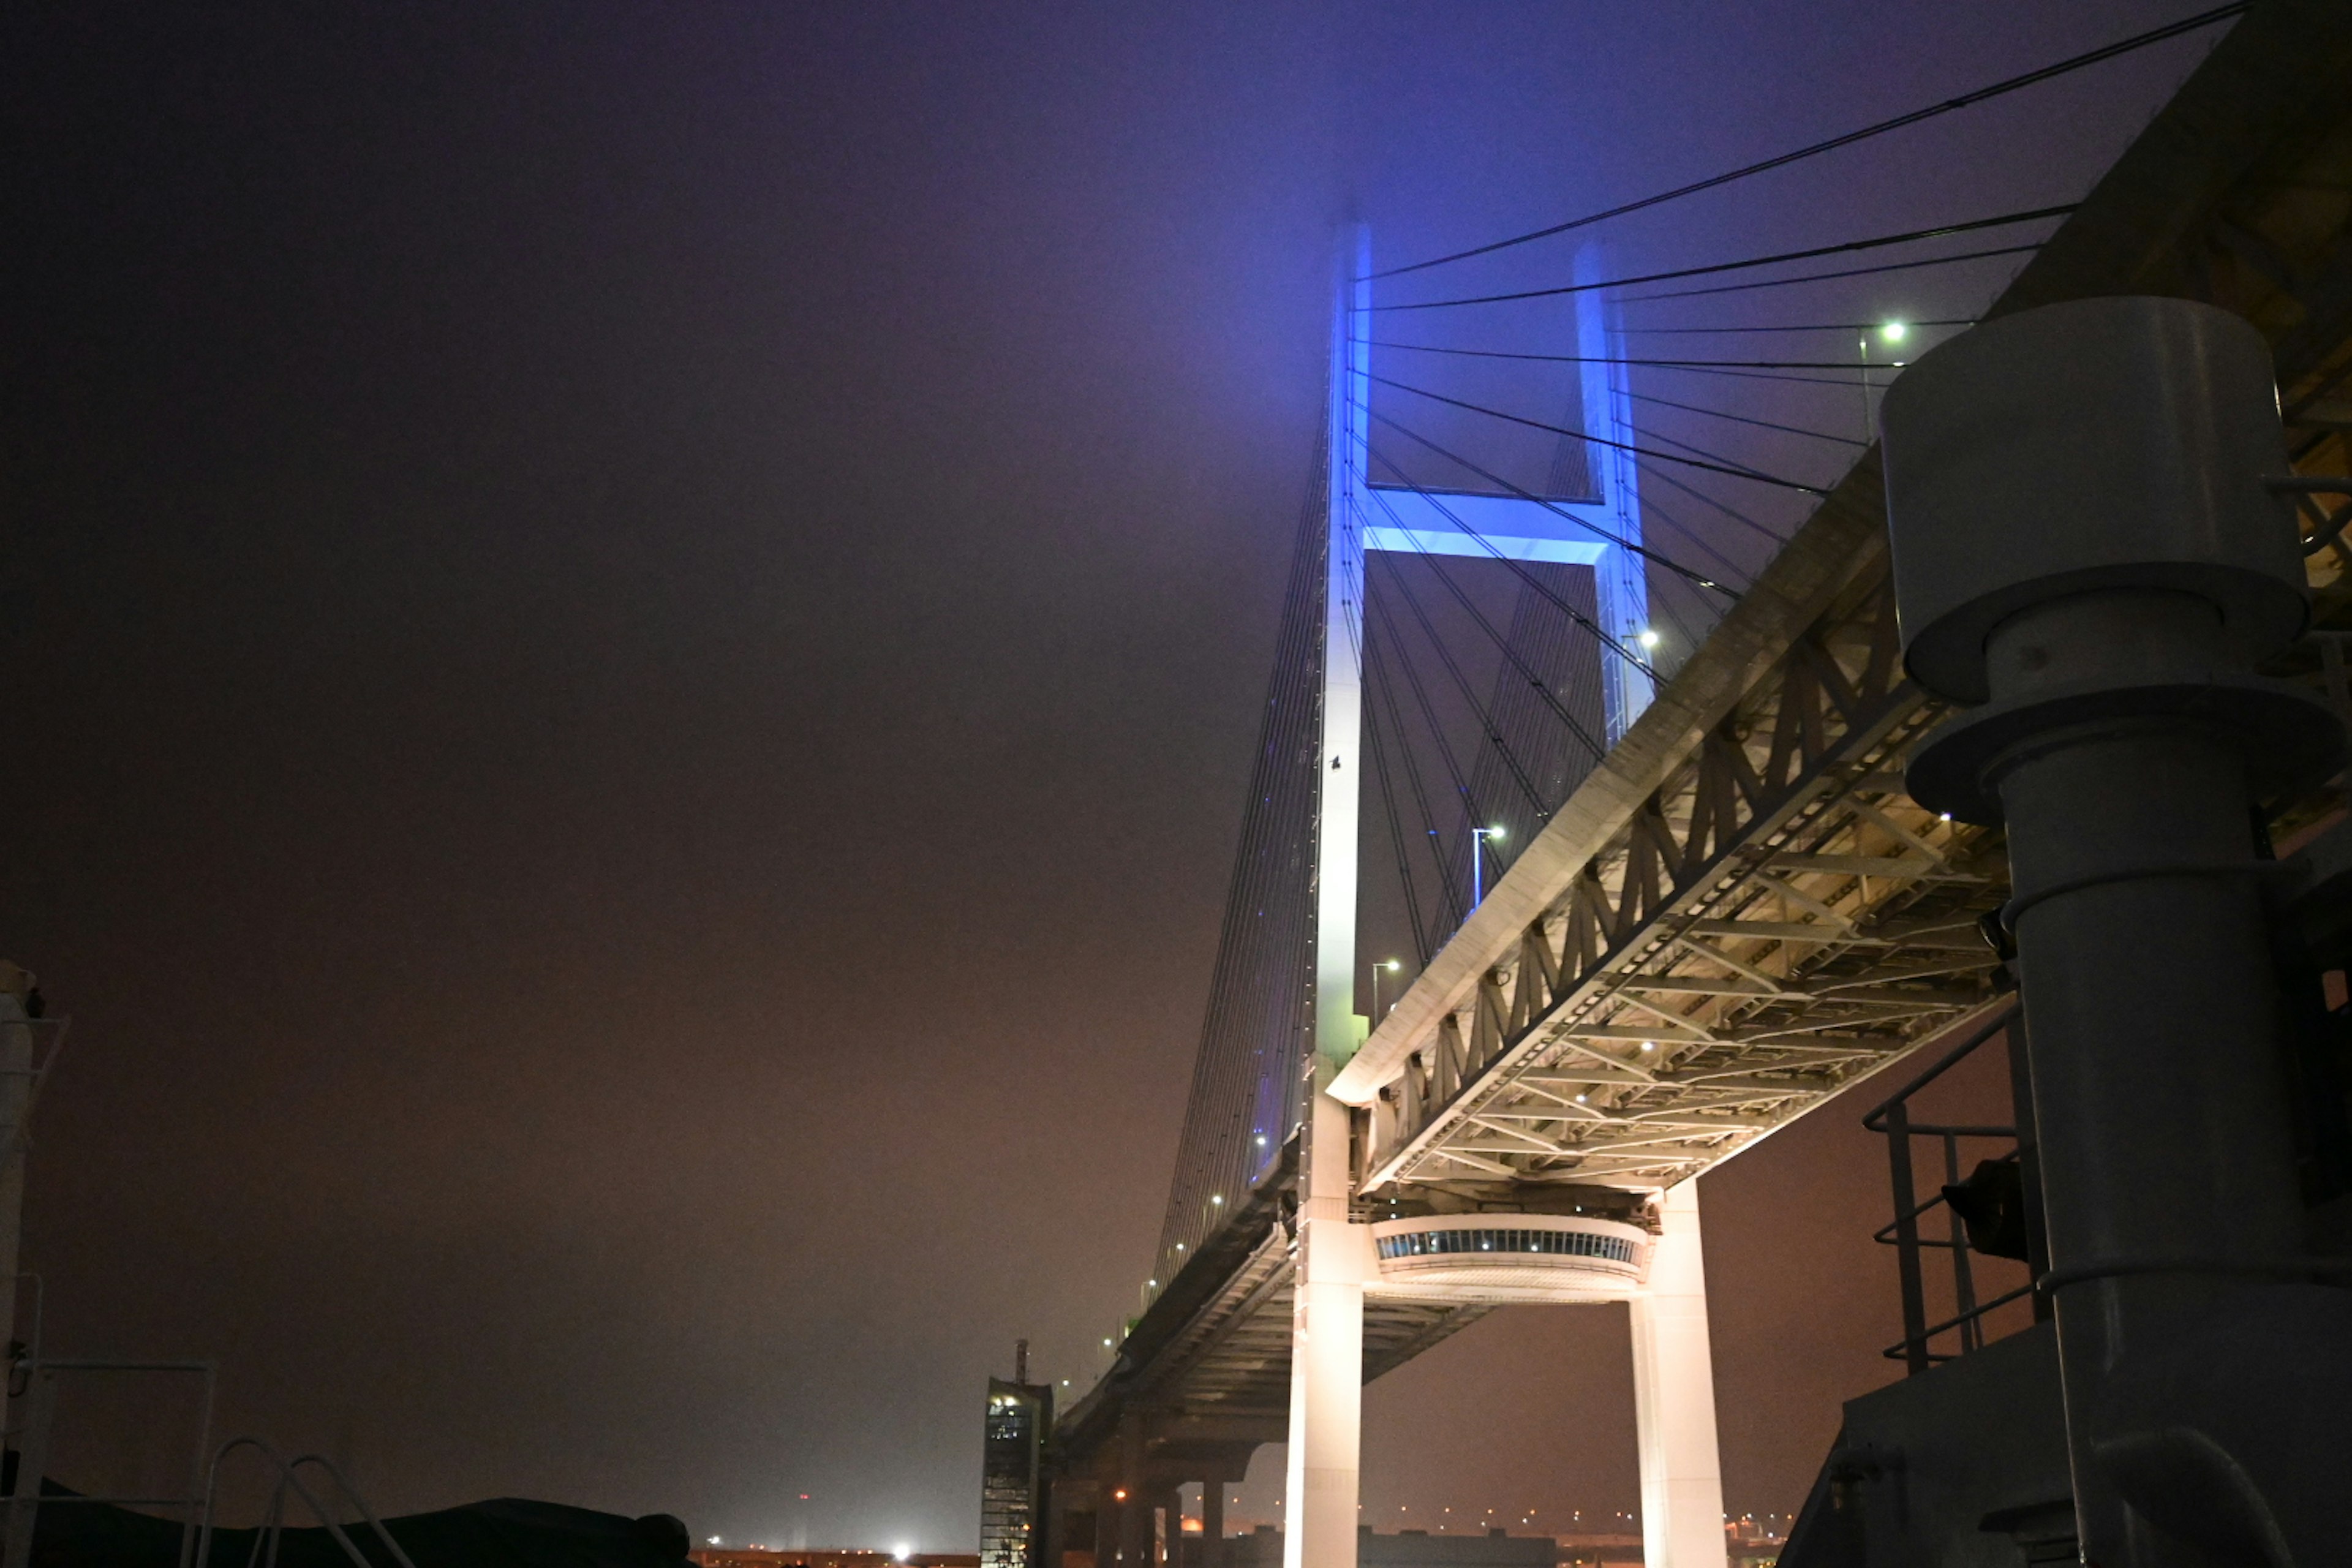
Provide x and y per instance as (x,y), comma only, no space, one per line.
(1152,1284)
(1948,816)
(1649,1044)
(1892,332)
(1646,638)
(1217,1197)
(1392,965)
(714,1541)
(1105,1344)
(902,1552)
(1580,1099)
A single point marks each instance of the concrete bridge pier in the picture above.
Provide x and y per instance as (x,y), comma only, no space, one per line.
(1674,1398)
(1326,1353)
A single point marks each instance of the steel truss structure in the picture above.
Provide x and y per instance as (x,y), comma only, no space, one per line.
(1774,919)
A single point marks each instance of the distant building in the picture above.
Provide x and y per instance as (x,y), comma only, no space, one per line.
(1412,1549)
(1605,1549)
(757,1556)
(1012,1470)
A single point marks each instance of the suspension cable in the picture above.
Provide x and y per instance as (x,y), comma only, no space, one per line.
(1650,363)
(1384,686)
(1396,844)
(1743,419)
(1511,654)
(1427,710)
(1669,562)
(1461,684)
(1737,473)
(2008,85)
(1814,327)
(1517,568)
(1846,272)
(1876,242)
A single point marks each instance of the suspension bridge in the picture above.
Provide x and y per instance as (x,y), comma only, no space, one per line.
(1638,812)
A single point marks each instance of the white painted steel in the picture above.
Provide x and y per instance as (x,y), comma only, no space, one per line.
(1621,579)
(1327,1355)
(1327,1351)
(1507,1274)
(1673,1399)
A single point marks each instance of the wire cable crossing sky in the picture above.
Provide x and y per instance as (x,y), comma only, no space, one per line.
(1878,242)
(1984,94)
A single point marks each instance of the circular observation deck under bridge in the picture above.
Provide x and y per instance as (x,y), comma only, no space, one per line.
(1510,1257)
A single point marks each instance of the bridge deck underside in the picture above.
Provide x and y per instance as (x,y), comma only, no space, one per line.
(1775,920)
(1221,1381)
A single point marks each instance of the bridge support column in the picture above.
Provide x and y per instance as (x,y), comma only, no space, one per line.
(1326,1352)
(1129,1509)
(1673,1399)
(1105,1528)
(1212,1523)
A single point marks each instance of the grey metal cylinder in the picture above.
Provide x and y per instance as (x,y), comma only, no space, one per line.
(2102,443)
(2083,544)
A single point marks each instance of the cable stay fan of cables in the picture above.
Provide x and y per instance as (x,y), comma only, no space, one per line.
(1734,472)
(1981,95)
(1400,846)
(1876,242)
(1828,277)
(1808,326)
(1463,687)
(1734,513)
(1697,578)
(1244,1099)
(1744,419)
(1386,623)
(1519,569)
(1451,908)
(1644,363)
(1511,655)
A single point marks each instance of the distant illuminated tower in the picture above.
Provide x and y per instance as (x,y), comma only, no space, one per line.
(1011,1472)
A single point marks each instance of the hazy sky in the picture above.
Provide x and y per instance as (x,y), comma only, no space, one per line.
(631,636)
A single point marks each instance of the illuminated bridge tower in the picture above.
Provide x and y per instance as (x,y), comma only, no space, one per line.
(1682,1485)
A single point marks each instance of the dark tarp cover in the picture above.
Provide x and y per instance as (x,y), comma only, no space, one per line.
(504,1532)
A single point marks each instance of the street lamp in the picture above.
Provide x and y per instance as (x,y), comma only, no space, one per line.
(1892,333)
(1479,836)
(1392,965)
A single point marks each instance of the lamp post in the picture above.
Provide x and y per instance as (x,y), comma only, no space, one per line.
(1893,332)
(1392,965)
(1478,839)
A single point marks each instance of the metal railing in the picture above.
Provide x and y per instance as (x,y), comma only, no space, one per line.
(1917,1350)
(266,1539)
(33,1417)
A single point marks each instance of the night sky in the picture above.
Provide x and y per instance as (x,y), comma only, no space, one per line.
(631,637)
